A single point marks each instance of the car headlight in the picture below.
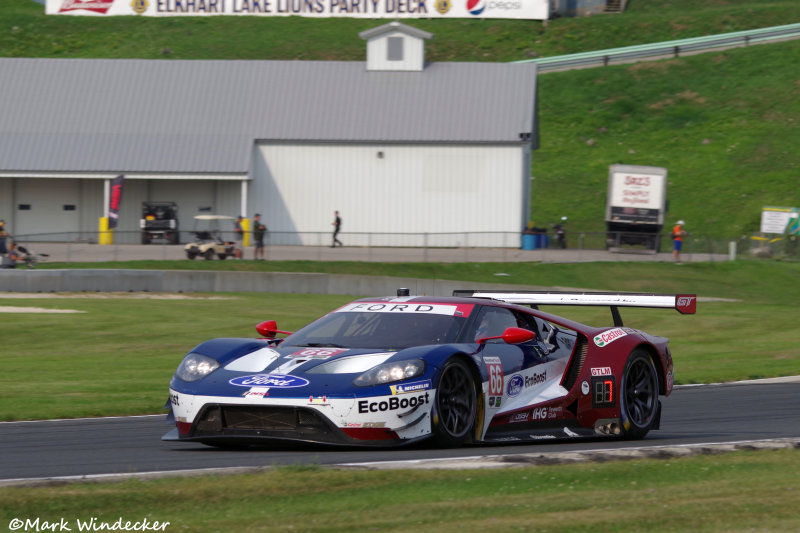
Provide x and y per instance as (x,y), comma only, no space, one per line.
(391,372)
(195,366)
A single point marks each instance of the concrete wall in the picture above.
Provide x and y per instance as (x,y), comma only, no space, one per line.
(207,281)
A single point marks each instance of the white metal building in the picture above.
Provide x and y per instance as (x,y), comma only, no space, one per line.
(397,145)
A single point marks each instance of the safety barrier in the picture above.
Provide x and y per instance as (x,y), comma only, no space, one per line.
(675,48)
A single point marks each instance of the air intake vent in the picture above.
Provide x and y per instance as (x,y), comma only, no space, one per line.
(576,363)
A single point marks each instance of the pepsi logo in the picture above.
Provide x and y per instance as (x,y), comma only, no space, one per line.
(476,7)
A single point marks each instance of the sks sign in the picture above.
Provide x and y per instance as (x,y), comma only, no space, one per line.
(498,9)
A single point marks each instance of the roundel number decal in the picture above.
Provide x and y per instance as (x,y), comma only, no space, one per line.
(495,379)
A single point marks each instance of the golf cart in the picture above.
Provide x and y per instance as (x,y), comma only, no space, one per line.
(207,241)
(159,221)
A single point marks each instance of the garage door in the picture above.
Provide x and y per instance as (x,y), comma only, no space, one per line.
(48,206)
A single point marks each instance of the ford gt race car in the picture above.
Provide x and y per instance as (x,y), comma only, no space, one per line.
(480,366)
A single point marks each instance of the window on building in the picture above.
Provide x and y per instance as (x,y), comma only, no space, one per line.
(394,49)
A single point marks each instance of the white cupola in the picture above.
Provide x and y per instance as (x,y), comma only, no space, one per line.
(395,46)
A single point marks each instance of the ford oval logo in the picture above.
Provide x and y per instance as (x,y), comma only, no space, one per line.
(515,385)
(278,381)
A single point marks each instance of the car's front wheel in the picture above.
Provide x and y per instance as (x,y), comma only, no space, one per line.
(639,395)
(456,404)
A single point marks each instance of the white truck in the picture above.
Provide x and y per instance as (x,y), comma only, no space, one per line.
(636,205)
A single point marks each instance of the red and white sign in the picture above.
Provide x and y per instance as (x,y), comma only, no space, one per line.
(100,7)
(407,308)
(374,9)
(637,190)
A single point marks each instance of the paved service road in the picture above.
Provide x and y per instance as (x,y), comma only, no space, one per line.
(692,415)
(83,252)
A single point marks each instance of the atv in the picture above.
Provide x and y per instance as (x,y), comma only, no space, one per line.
(159,221)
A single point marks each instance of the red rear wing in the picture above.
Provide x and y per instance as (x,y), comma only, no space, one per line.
(685,304)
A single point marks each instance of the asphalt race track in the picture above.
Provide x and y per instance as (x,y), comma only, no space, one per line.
(692,415)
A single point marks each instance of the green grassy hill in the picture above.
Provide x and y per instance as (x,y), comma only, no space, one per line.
(725,124)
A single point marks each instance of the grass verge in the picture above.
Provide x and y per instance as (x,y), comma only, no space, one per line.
(740,491)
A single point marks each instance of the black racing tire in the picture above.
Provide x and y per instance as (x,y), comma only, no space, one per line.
(455,407)
(222,257)
(208,255)
(191,255)
(639,405)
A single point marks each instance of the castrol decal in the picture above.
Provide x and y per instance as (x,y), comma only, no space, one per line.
(607,337)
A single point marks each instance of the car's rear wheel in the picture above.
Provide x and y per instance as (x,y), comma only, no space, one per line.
(208,255)
(639,405)
(456,404)
(191,255)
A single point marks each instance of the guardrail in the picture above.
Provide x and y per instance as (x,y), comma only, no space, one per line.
(675,48)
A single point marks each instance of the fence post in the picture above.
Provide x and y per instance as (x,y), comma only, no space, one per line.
(732,251)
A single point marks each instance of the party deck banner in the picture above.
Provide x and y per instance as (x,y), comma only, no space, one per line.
(429,9)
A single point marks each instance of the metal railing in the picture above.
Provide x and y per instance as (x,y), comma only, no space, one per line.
(427,247)
(675,48)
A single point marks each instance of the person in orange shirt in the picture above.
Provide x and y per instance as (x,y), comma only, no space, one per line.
(677,240)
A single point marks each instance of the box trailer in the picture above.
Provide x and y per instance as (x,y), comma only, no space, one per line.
(635,206)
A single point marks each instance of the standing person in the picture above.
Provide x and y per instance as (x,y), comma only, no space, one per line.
(677,240)
(337,225)
(259,229)
(3,237)
(561,236)
(238,252)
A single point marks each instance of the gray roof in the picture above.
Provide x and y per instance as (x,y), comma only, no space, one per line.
(101,115)
(395,26)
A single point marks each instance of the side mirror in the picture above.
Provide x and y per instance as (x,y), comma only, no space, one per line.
(512,336)
(269,329)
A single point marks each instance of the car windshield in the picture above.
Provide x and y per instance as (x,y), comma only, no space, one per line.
(384,331)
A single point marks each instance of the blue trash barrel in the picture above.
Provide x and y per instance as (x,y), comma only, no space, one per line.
(528,241)
(542,240)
